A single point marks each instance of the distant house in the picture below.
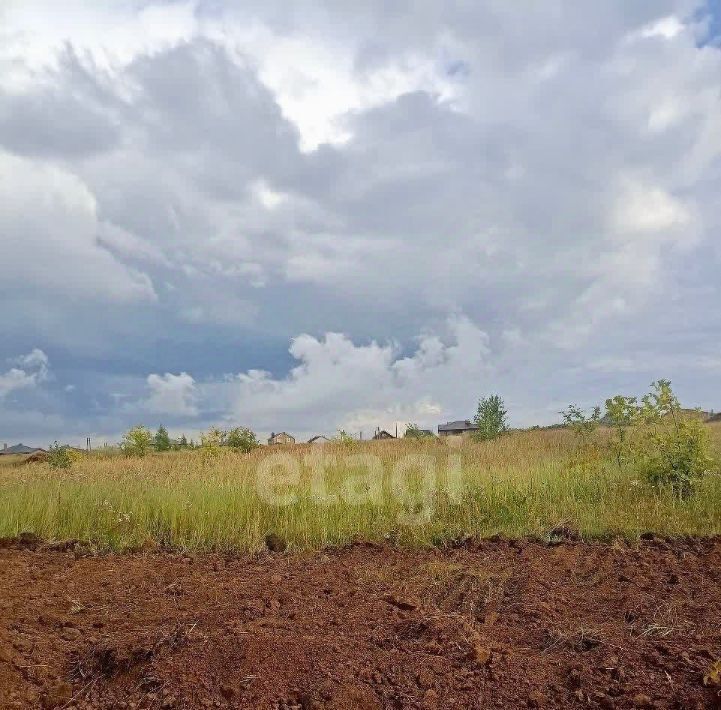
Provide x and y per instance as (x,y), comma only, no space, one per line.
(457,428)
(382,434)
(281,438)
(320,439)
(20,449)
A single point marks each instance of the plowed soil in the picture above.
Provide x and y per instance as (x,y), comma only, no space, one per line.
(489,624)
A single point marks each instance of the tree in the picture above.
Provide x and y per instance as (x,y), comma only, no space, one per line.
(622,413)
(241,439)
(413,431)
(181,443)
(137,441)
(161,440)
(490,418)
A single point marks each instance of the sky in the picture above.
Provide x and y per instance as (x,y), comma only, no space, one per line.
(328,214)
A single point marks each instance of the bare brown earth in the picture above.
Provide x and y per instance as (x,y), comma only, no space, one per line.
(489,624)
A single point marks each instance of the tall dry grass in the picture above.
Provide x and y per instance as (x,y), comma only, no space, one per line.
(521,484)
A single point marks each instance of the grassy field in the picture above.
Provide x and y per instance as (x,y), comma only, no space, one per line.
(10,460)
(420,493)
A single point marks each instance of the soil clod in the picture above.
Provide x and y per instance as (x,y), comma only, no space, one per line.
(490,625)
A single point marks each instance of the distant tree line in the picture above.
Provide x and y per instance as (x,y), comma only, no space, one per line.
(139,440)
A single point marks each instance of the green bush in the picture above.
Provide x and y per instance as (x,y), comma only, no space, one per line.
(622,414)
(210,443)
(658,440)
(343,437)
(655,439)
(582,425)
(137,441)
(241,439)
(589,453)
(672,447)
(59,456)
(413,431)
(676,455)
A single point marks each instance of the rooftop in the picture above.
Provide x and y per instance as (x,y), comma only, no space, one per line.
(458,425)
(20,449)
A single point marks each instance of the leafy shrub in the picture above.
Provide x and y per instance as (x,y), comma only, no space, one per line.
(672,447)
(343,437)
(658,440)
(582,425)
(74,455)
(675,456)
(490,418)
(241,439)
(210,442)
(589,454)
(413,431)
(137,441)
(622,415)
(59,456)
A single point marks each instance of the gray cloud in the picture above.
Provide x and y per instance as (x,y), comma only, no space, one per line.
(48,222)
(371,170)
(29,371)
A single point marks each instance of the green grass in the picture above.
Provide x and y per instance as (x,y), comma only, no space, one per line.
(521,484)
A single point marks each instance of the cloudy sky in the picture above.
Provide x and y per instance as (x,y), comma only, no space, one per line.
(322,214)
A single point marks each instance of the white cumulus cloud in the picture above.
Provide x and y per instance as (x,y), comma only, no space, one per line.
(338,383)
(171,394)
(32,369)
